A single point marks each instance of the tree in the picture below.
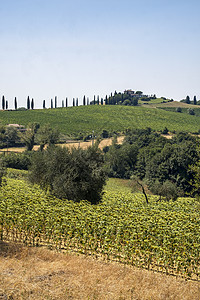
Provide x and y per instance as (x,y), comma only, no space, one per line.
(106,100)
(55,102)
(44,104)
(94,101)
(101,101)
(84,101)
(28,103)
(73,101)
(51,103)
(74,174)
(187,100)
(15,103)
(139,93)
(46,135)
(3,103)
(32,104)
(29,136)
(97,100)
(62,103)
(11,135)
(6,104)
(66,102)
(76,101)
(88,101)
(195,100)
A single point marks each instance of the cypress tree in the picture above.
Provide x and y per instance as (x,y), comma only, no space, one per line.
(76,101)
(15,102)
(62,103)
(32,104)
(6,104)
(3,102)
(195,100)
(28,103)
(101,101)
(106,100)
(51,103)
(66,102)
(97,100)
(187,100)
(55,102)
(88,101)
(94,101)
(73,101)
(43,103)
(84,100)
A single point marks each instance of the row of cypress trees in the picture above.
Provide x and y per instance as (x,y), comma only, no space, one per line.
(53,104)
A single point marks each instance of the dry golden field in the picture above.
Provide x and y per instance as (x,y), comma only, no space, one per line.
(37,273)
(83,145)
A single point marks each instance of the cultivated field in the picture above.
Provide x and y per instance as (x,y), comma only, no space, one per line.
(85,119)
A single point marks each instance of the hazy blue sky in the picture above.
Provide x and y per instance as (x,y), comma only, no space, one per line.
(74,48)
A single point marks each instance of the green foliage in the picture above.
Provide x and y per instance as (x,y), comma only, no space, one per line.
(191,111)
(167,190)
(74,174)
(160,236)
(46,135)
(153,158)
(178,109)
(2,170)
(19,161)
(28,137)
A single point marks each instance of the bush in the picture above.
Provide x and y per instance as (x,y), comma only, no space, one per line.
(74,174)
(179,109)
(167,190)
(191,111)
(19,161)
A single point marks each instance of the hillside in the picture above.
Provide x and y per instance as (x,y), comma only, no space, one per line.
(85,119)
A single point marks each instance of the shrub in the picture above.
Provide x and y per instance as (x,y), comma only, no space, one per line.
(74,174)
(19,161)
(191,111)
(179,109)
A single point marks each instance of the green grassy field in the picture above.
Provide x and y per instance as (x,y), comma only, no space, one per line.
(85,119)
(162,236)
(184,110)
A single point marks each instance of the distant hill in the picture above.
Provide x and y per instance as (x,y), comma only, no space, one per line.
(113,118)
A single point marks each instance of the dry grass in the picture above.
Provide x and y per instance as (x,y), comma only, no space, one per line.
(30,273)
(83,145)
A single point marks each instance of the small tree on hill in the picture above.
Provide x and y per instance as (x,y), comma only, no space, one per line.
(3,103)
(15,103)
(195,100)
(66,102)
(187,100)
(28,103)
(32,104)
(84,102)
(55,102)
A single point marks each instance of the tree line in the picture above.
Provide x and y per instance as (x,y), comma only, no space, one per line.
(116,98)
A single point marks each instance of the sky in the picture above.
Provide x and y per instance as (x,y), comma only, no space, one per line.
(74,48)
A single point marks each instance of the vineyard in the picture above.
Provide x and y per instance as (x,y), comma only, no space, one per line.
(161,236)
(85,119)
